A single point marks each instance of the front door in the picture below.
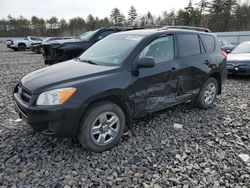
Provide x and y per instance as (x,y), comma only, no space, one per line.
(155,88)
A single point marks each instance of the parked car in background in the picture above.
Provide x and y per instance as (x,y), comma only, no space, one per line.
(63,50)
(8,42)
(226,46)
(238,61)
(22,44)
(36,46)
(125,76)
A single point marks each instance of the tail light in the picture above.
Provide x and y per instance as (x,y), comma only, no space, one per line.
(224,54)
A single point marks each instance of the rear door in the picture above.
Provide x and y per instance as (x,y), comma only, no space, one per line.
(210,50)
(192,71)
(155,88)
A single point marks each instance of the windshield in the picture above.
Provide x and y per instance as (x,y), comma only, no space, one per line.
(47,39)
(87,36)
(224,43)
(242,48)
(112,50)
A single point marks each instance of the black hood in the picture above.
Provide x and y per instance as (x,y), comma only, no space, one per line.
(62,73)
(67,42)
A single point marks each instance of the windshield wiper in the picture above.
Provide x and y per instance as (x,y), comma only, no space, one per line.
(88,61)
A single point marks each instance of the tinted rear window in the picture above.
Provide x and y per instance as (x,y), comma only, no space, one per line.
(35,38)
(208,42)
(188,45)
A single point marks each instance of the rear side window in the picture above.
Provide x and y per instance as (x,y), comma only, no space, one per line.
(189,45)
(209,43)
(35,38)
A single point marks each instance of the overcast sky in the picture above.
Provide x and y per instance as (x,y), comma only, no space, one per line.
(72,8)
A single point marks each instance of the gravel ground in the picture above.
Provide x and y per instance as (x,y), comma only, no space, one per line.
(203,153)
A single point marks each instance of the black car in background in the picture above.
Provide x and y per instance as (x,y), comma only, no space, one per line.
(125,76)
(226,46)
(238,61)
(36,46)
(68,49)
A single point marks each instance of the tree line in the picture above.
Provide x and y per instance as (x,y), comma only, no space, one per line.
(217,15)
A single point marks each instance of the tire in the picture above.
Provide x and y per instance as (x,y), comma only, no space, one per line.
(96,129)
(207,94)
(21,47)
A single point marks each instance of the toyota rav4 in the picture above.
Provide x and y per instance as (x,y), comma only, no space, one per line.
(122,77)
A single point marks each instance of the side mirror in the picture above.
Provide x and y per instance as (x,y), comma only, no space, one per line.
(146,62)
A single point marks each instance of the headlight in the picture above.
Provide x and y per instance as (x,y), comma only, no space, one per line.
(55,97)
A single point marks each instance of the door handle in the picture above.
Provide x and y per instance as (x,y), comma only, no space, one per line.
(207,62)
(173,69)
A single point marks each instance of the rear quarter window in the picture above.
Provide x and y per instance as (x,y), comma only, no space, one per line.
(189,45)
(209,43)
(35,38)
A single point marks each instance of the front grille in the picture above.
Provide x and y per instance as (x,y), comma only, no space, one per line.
(21,109)
(23,93)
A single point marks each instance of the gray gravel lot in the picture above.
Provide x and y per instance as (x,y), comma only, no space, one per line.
(203,153)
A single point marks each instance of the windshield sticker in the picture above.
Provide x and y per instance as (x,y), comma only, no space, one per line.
(132,37)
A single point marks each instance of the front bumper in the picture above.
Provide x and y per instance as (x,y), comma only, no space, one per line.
(12,46)
(57,121)
(243,69)
(52,55)
(36,49)
(9,43)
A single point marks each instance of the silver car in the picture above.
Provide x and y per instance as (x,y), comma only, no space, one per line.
(238,61)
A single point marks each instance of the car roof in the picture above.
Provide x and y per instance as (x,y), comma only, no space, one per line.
(143,32)
(34,36)
(117,28)
(246,42)
(148,32)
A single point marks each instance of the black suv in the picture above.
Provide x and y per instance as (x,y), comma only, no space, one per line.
(37,46)
(63,50)
(124,76)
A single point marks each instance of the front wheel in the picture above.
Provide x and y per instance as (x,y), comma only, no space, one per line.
(21,47)
(207,94)
(102,126)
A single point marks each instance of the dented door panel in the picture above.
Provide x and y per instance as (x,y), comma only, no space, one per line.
(155,88)
(192,75)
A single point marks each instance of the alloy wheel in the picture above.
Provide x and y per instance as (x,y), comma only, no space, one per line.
(210,93)
(105,128)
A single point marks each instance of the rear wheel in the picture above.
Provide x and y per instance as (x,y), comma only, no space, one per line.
(21,47)
(102,126)
(207,94)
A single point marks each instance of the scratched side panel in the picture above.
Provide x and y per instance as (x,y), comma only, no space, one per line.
(154,89)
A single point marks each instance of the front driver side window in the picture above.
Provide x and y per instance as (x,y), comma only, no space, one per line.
(161,49)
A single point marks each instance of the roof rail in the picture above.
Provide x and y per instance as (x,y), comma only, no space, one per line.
(186,27)
(124,27)
(119,27)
